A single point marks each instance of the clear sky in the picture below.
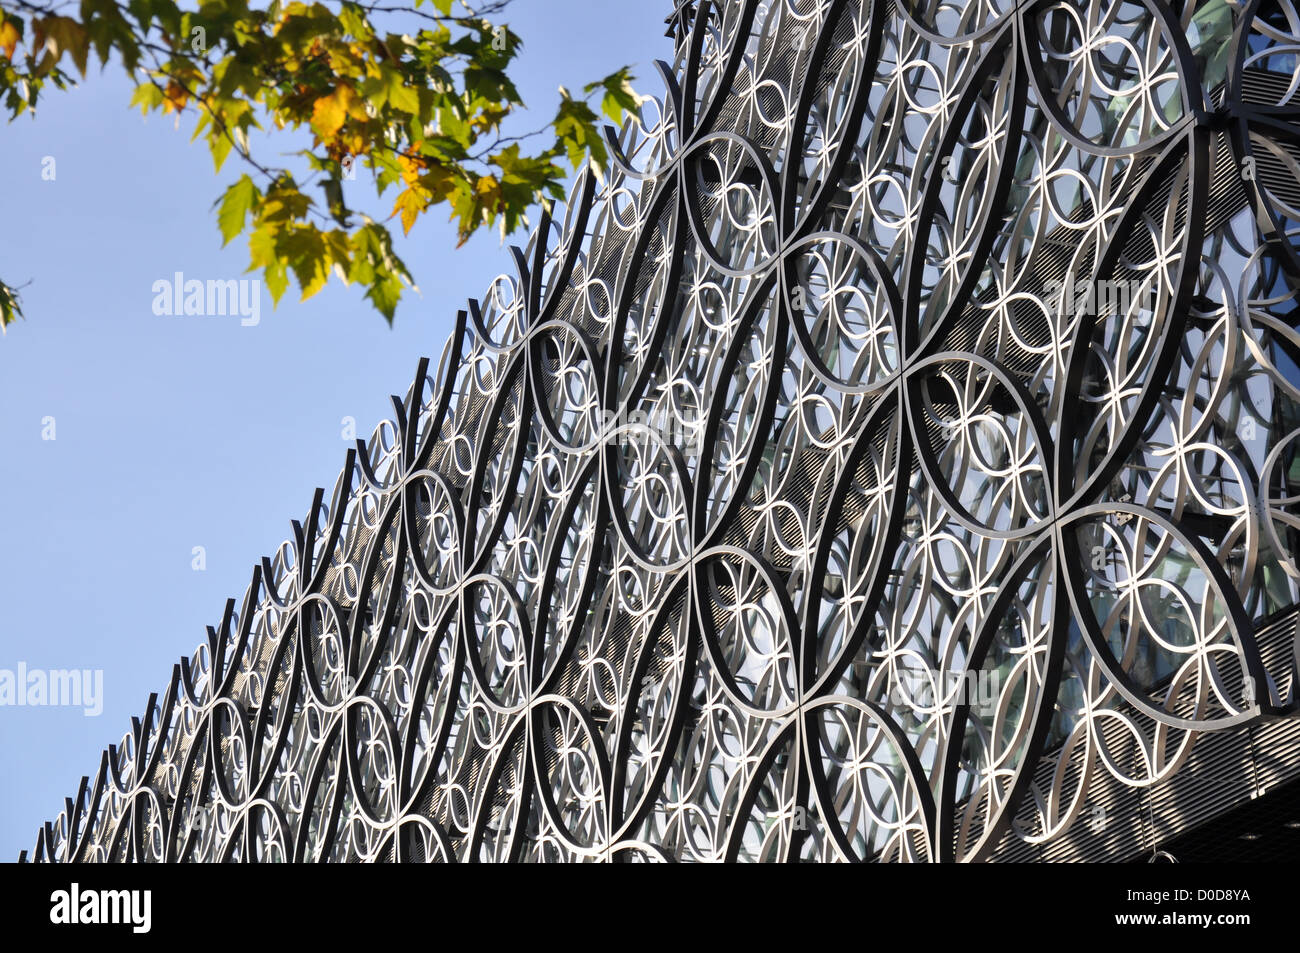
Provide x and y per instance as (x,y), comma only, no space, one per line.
(177,432)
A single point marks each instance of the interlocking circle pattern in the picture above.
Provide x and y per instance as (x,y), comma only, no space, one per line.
(917,396)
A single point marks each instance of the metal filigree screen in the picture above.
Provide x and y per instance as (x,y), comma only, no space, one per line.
(896,446)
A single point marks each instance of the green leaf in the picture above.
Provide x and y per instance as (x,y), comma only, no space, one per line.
(619,96)
(354,21)
(385,292)
(63,35)
(147,96)
(9,308)
(261,249)
(235,206)
(401,96)
(304,252)
(277,280)
(220,145)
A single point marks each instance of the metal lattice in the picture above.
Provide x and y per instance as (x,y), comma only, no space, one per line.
(901,438)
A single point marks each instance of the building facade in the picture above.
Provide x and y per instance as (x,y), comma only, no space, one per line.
(889,458)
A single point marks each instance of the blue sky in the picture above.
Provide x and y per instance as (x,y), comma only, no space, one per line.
(177,432)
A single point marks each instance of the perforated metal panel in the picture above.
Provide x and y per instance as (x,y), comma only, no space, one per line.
(892,457)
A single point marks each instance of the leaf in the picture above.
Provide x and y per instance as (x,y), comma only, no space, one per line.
(62,35)
(106,27)
(277,280)
(333,189)
(330,112)
(147,96)
(575,128)
(9,308)
(384,294)
(339,252)
(261,249)
(9,37)
(354,22)
(304,252)
(219,144)
(410,203)
(401,96)
(619,96)
(235,206)
(174,98)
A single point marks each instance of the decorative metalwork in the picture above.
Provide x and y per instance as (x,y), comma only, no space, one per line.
(900,437)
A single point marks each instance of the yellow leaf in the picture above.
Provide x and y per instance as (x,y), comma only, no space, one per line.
(330,112)
(411,168)
(8,39)
(174,98)
(410,203)
(327,116)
